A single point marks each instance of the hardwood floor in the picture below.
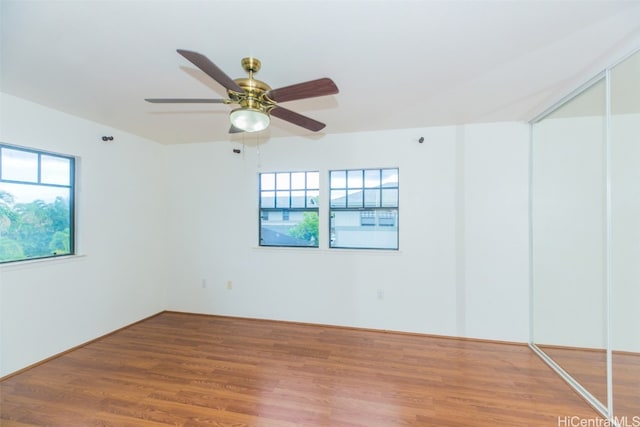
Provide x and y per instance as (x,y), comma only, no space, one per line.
(193,370)
(626,385)
(589,368)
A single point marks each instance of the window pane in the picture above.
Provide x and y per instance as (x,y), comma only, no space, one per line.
(313,198)
(298,181)
(298,199)
(338,179)
(372,178)
(267,181)
(372,198)
(348,231)
(282,181)
(268,199)
(389,177)
(313,180)
(300,228)
(35,221)
(354,199)
(389,197)
(18,165)
(354,179)
(282,199)
(55,170)
(338,198)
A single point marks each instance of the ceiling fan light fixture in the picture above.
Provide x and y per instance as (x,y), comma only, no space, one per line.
(257,101)
(249,119)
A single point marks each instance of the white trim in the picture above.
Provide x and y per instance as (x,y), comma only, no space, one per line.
(305,250)
(608,269)
(530,220)
(27,263)
(568,97)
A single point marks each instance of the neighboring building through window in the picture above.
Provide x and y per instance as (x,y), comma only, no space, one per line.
(364,208)
(36,204)
(289,208)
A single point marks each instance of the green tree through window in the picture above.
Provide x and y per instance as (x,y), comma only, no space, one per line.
(307,229)
(36,204)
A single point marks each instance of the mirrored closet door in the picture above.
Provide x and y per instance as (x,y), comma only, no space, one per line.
(625,239)
(585,239)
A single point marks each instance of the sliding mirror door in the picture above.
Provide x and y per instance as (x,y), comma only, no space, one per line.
(568,220)
(625,238)
(585,241)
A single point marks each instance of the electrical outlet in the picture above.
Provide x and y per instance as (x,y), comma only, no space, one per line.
(229,284)
(204,283)
(380,293)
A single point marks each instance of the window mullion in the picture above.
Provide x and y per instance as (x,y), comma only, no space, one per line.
(39,178)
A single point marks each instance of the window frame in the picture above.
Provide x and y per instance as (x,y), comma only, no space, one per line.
(288,208)
(364,206)
(71,186)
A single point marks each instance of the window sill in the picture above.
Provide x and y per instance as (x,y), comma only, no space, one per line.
(28,263)
(339,251)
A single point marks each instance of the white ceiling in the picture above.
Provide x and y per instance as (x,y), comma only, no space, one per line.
(398,64)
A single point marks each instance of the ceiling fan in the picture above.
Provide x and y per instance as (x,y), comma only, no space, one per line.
(256,100)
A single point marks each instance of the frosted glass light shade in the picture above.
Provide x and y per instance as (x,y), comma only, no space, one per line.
(249,119)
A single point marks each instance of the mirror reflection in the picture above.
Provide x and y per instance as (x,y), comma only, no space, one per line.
(585,240)
(568,238)
(625,237)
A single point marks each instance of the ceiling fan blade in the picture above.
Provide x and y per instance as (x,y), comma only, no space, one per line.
(185,101)
(211,69)
(297,119)
(310,89)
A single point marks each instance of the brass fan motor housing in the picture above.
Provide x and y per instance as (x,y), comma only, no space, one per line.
(254,90)
(251,85)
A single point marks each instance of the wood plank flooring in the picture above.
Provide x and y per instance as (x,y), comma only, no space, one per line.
(193,370)
(589,368)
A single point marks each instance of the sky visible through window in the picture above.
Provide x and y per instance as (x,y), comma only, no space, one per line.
(354,180)
(270,181)
(19,165)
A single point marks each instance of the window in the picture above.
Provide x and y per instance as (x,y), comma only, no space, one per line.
(36,204)
(387,218)
(367,217)
(289,208)
(364,208)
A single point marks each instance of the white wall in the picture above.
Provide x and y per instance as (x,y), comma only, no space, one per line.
(462,267)
(191,215)
(49,306)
